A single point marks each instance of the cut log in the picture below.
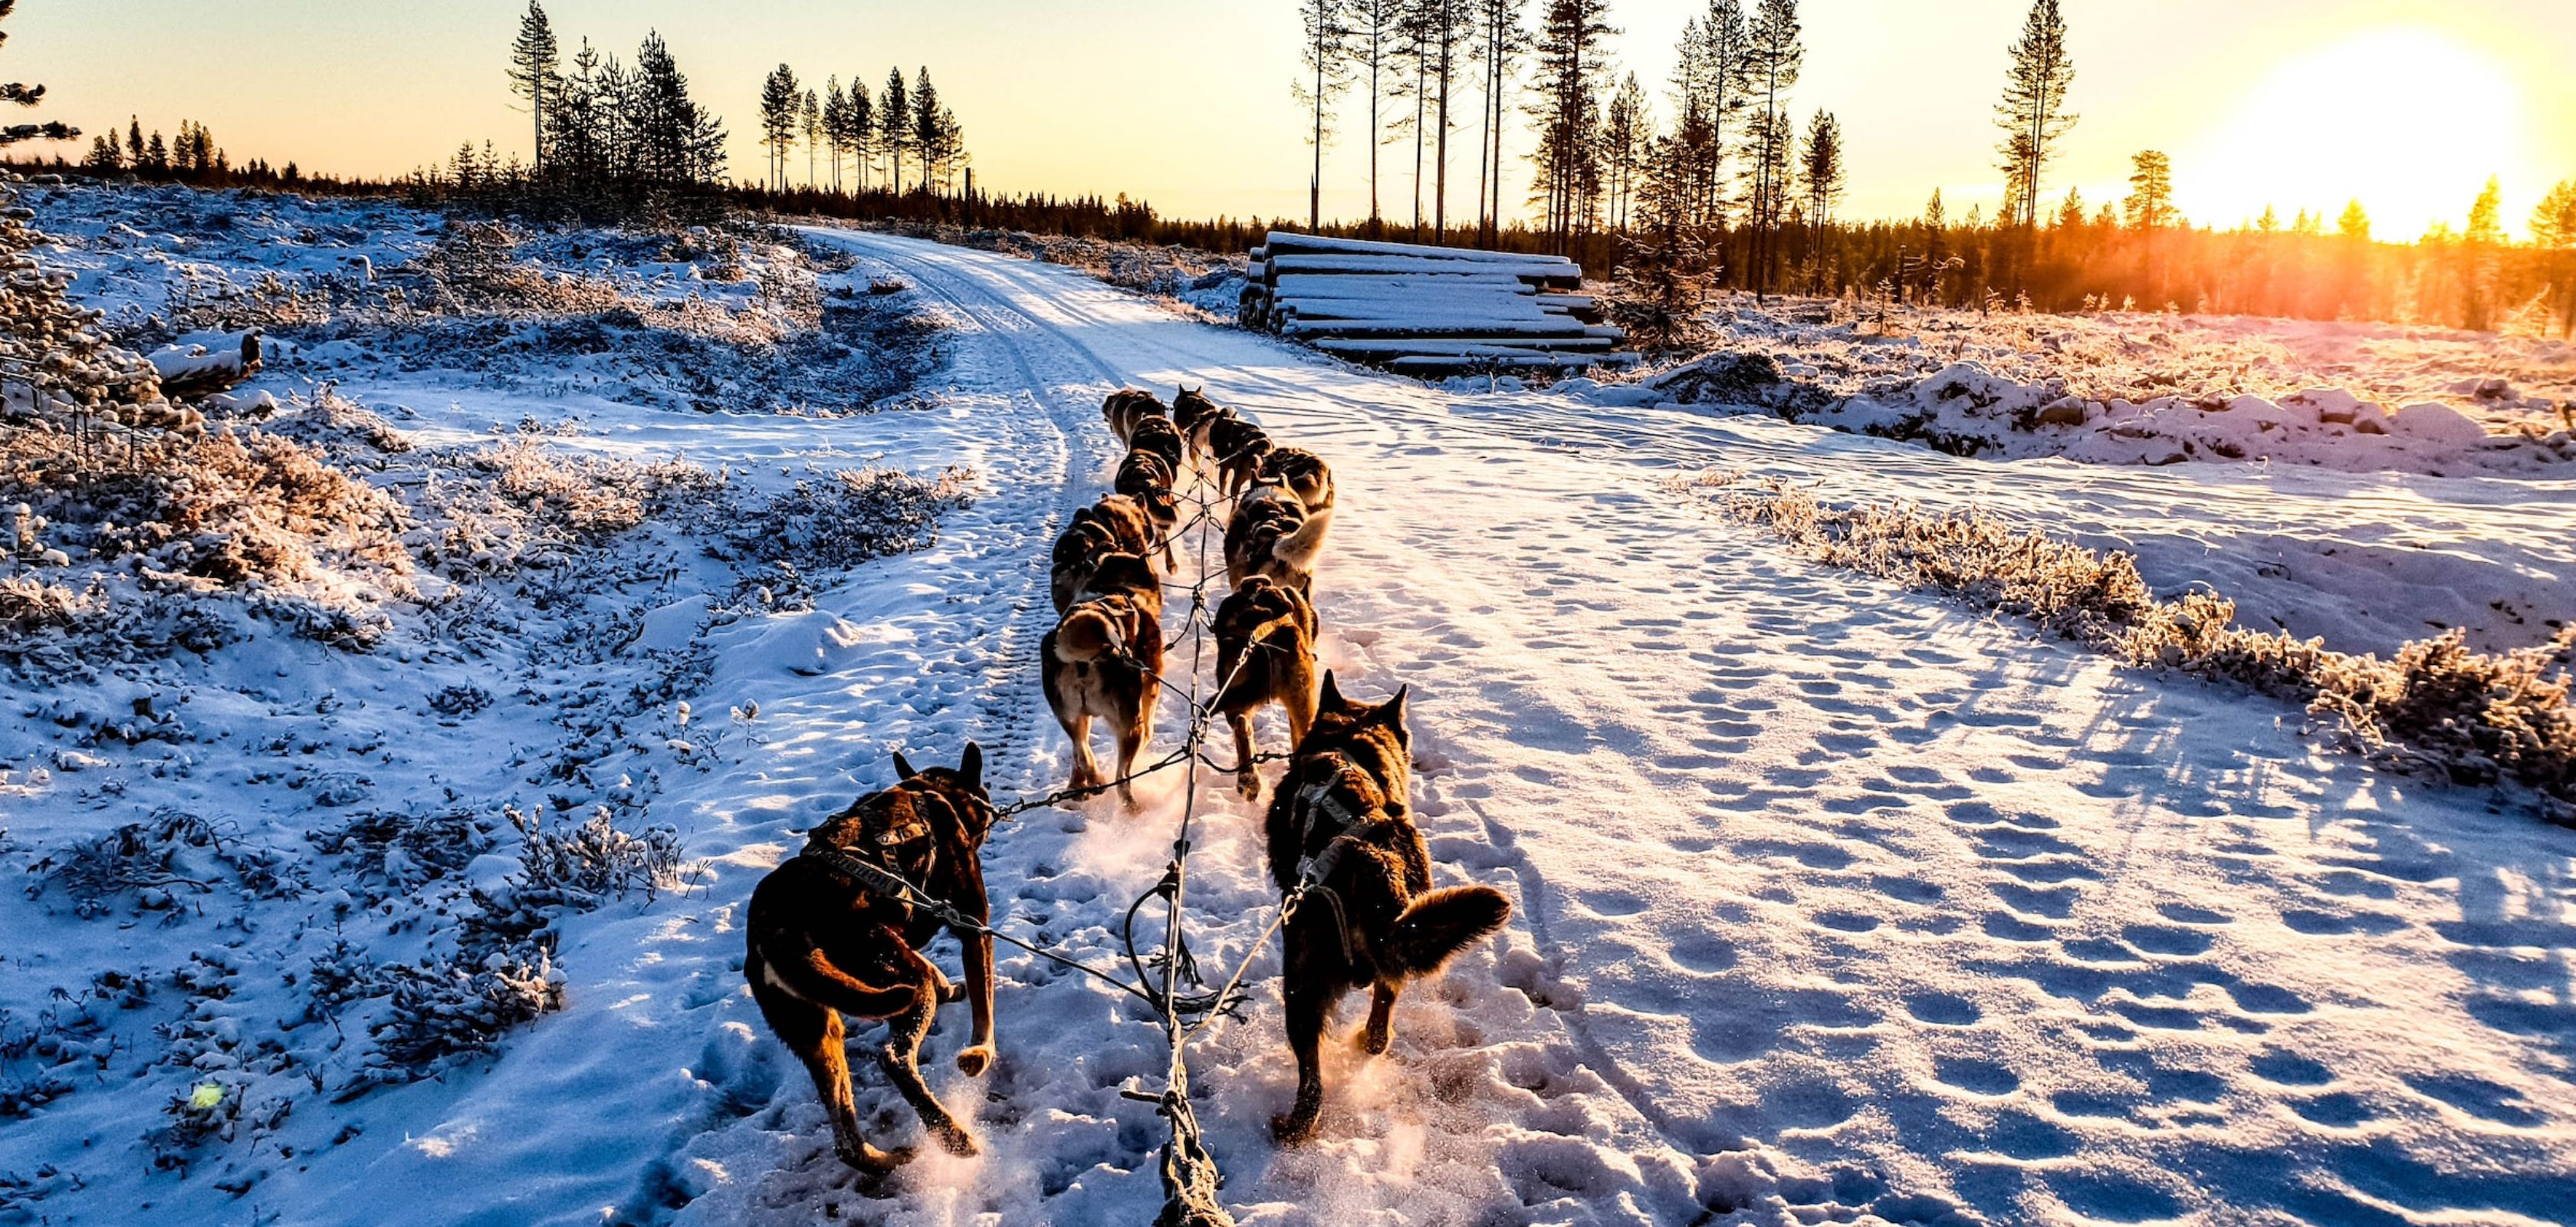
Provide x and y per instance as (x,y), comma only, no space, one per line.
(206,363)
(1283,242)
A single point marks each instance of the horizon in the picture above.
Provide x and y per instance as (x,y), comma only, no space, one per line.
(2250,120)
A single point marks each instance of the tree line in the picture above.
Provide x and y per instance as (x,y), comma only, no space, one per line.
(1724,183)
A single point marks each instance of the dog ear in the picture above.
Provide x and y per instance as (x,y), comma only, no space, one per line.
(1391,712)
(903,770)
(970,766)
(1330,698)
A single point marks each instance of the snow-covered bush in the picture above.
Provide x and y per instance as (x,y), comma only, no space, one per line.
(149,860)
(397,850)
(586,865)
(850,516)
(2437,707)
(446,1009)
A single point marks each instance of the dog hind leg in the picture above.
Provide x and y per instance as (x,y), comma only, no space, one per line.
(1086,770)
(900,1057)
(814,1034)
(1306,1003)
(1380,1031)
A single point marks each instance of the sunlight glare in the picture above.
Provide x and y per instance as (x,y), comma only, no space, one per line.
(2407,119)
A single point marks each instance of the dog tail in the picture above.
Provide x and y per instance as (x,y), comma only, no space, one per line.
(1301,548)
(1084,636)
(1439,925)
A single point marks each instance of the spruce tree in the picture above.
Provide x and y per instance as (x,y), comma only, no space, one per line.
(926,136)
(533,69)
(894,125)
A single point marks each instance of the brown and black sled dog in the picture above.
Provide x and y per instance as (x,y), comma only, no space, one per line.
(1372,918)
(1105,659)
(820,946)
(1128,405)
(1265,653)
(1270,532)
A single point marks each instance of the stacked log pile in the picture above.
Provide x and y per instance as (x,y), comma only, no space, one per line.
(1428,311)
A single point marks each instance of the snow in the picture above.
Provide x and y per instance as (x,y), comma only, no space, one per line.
(1832,903)
(2150,390)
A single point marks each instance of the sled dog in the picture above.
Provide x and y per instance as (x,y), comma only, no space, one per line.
(1269,532)
(1302,471)
(1265,653)
(1104,659)
(1126,405)
(1373,919)
(821,946)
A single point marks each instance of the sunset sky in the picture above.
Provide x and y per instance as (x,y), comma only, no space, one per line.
(2407,104)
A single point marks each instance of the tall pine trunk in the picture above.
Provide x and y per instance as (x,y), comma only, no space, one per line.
(1440,188)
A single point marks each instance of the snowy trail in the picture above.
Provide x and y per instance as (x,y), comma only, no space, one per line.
(1830,895)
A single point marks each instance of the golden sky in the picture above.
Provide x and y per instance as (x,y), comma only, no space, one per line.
(2407,104)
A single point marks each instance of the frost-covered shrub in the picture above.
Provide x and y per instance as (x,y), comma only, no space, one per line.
(148,860)
(400,850)
(589,864)
(2438,707)
(29,604)
(444,1010)
(525,494)
(232,508)
(851,516)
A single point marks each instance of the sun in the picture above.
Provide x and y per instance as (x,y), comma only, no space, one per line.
(2406,119)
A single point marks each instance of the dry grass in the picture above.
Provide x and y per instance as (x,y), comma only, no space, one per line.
(2437,708)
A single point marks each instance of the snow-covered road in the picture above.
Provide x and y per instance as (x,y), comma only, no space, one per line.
(1832,899)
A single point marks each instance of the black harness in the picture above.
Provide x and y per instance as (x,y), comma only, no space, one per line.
(1320,806)
(882,874)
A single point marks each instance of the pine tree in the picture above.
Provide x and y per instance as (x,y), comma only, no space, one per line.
(2480,250)
(2151,213)
(27,96)
(2033,111)
(1502,40)
(836,125)
(1324,49)
(1572,67)
(778,114)
(1774,55)
(863,129)
(533,67)
(810,119)
(894,126)
(1821,172)
(2150,203)
(1376,30)
(1627,137)
(2553,230)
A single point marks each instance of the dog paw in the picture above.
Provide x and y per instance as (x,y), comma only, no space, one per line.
(1249,786)
(951,992)
(1293,1129)
(1374,1041)
(959,1142)
(867,1158)
(973,1061)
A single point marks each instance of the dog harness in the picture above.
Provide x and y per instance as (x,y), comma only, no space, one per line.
(1320,798)
(880,878)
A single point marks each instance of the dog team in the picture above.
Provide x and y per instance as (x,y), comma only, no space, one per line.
(827,939)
